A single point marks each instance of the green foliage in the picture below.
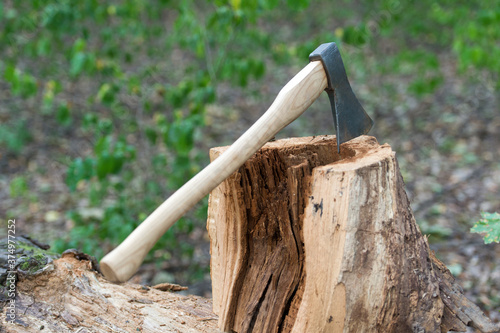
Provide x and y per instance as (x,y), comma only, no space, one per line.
(472,41)
(436,231)
(468,29)
(145,73)
(18,187)
(123,51)
(63,115)
(14,135)
(22,84)
(488,225)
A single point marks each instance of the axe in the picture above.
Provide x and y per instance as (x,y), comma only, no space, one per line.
(324,72)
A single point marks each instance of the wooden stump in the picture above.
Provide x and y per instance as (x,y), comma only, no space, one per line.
(304,239)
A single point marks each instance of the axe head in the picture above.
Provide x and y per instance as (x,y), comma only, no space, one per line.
(349,117)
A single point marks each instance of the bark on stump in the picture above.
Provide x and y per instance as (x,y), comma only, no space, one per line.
(304,239)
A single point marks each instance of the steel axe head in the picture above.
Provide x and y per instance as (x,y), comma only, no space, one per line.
(349,117)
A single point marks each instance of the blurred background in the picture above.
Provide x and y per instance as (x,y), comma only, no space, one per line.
(107,107)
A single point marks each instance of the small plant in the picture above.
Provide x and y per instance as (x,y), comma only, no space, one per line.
(18,187)
(14,135)
(490,226)
(436,231)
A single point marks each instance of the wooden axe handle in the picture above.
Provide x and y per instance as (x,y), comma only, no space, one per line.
(298,94)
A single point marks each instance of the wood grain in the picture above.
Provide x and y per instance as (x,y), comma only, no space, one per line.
(120,264)
(71,297)
(254,224)
(305,240)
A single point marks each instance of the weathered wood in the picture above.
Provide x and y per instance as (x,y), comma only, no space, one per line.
(305,240)
(257,261)
(68,296)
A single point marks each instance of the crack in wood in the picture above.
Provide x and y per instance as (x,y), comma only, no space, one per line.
(325,243)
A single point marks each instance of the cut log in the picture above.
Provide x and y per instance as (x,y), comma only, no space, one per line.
(69,296)
(304,239)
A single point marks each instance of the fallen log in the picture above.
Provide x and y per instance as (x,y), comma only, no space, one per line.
(68,295)
(304,239)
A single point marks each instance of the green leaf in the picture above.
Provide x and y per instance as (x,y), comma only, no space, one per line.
(89,120)
(104,165)
(355,35)
(490,226)
(298,4)
(15,135)
(18,187)
(102,145)
(58,15)
(43,47)
(63,115)
(79,170)
(22,84)
(105,126)
(28,86)
(259,69)
(77,63)
(107,93)
(151,135)
(10,73)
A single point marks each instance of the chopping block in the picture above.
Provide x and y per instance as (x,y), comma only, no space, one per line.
(304,238)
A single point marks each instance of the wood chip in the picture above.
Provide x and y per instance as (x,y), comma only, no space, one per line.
(141,300)
(169,287)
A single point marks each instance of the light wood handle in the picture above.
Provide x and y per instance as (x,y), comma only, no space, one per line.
(295,97)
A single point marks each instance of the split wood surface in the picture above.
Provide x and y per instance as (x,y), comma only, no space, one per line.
(295,97)
(306,240)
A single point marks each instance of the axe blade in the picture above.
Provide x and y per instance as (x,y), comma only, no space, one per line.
(349,117)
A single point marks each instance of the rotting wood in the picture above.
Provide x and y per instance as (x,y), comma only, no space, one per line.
(262,246)
(305,240)
(69,296)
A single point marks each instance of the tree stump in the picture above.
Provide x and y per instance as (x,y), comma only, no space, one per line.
(304,239)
